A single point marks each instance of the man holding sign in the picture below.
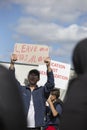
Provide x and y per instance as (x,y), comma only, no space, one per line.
(34,97)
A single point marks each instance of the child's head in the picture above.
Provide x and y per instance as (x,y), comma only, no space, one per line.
(55,92)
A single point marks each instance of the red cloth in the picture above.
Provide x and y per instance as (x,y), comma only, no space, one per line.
(50,128)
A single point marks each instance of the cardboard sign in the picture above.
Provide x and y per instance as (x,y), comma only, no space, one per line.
(31,53)
(61,73)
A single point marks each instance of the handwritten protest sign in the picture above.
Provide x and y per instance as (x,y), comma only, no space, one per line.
(61,74)
(31,53)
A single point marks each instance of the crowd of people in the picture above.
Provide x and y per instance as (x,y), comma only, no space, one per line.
(34,107)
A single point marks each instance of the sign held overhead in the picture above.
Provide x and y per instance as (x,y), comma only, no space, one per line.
(61,73)
(31,53)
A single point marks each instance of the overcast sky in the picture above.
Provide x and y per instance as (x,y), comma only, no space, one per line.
(60,24)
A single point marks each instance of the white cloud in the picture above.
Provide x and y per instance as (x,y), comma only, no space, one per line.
(56,22)
(48,19)
(63,11)
(50,32)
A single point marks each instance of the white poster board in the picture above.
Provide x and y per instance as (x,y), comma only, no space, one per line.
(61,73)
(31,53)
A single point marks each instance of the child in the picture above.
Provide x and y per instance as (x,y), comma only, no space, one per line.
(54,110)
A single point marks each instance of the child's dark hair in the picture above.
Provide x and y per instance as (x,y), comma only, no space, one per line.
(56,92)
(34,71)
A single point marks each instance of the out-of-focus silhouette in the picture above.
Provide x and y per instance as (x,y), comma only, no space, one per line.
(12,116)
(74,115)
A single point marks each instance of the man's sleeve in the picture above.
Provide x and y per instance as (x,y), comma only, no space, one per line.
(12,73)
(50,82)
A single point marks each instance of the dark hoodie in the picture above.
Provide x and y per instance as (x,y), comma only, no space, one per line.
(74,115)
(12,115)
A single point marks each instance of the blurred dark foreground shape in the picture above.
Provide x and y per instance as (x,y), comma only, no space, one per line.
(74,116)
(12,115)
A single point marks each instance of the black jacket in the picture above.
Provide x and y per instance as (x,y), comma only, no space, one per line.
(12,116)
(74,115)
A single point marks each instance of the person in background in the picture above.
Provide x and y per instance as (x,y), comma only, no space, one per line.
(54,110)
(35,97)
(12,115)
(74,116)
